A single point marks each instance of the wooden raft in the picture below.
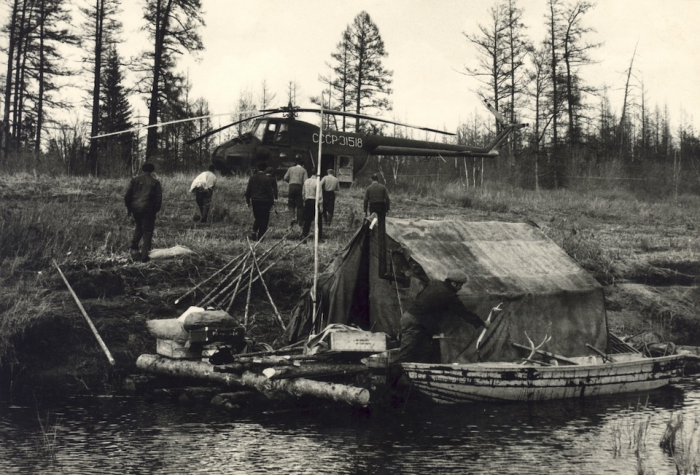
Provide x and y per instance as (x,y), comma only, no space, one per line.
(295,386)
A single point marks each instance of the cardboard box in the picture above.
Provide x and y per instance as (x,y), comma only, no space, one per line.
(175,350)
(357,341)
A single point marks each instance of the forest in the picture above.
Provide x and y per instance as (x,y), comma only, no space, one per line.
(574,138)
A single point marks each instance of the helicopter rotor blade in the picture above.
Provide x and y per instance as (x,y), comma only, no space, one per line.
(215,131)
(366,117)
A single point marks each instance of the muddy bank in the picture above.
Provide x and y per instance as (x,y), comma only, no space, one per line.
(59,354)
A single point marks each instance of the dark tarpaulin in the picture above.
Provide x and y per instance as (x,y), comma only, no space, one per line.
(342,292)
(543,290)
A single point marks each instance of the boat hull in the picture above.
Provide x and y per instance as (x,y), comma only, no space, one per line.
(478,382)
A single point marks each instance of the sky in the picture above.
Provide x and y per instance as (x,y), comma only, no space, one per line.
(278,41)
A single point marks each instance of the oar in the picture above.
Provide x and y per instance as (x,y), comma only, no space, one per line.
(495,309)
(92,326)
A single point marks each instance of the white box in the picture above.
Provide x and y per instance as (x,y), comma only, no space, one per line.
(358,341)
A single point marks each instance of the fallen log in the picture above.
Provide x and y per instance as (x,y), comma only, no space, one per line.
(297,387)
(313,370)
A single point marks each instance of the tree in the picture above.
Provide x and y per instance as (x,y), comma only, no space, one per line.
(114,113)
(266,97)
(173,26)
(361,80)
(12,30)
(575,51)
(101,30)
(492,70)
(35,62)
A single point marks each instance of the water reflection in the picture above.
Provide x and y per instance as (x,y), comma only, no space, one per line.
(140,435)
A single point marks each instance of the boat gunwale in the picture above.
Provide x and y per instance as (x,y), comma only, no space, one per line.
(511,366)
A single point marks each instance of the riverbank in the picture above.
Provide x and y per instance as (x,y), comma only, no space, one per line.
(645,253)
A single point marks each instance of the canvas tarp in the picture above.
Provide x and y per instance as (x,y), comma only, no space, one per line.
(543,290)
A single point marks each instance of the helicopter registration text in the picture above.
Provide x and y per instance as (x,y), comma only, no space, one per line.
(341,140)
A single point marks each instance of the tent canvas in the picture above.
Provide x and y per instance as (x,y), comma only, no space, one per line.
(543,290)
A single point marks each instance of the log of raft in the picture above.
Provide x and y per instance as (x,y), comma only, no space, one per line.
(297,387)
(313,370)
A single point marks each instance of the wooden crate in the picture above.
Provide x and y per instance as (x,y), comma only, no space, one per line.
(214,334)
(175,350)
(357,341)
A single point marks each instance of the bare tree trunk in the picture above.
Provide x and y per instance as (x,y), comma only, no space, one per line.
(95,126)
(161,28)
(40,104)
(12,44)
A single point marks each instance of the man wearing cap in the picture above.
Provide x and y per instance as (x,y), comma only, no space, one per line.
(296,176)
(203,188)
(143,200)
(422,320)
(329,185)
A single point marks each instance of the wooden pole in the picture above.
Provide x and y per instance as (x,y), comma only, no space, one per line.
(237,281)
(212,296)
(271,265)
(318,194)
(209,278)
(206,299)
(92,326)
(235,291)
(247,300)
(267,291)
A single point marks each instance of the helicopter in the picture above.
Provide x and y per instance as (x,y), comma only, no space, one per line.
(282,141)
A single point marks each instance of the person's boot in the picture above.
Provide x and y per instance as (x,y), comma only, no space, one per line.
(147,240)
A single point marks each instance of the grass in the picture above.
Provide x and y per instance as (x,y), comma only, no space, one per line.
(681,440)
(82,224)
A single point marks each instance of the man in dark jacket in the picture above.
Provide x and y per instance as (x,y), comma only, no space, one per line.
(260,195)
(422,320)
(143,200)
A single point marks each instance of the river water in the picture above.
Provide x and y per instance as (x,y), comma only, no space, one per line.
(138,434)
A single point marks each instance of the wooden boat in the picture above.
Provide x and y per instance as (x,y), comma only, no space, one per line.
(590,376)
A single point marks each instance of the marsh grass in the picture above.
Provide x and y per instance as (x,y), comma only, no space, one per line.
(82,222)
(629,434)
(48,435)
(681,440)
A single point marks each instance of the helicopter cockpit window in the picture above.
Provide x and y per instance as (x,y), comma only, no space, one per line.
(260,130)
(282,135)
(269,133)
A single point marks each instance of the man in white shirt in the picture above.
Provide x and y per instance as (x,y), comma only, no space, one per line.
(296,176)
(203,189)
(329,185)
(310,205)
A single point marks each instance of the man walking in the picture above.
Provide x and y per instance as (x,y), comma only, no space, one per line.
(259,195)
(203,189)
(143,200)
(329,185)
(296,176)
(310,207)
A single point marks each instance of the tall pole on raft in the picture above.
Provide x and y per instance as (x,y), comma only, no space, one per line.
(314,294)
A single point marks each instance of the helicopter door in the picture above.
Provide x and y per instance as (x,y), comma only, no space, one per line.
(327,163)
(345,169)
